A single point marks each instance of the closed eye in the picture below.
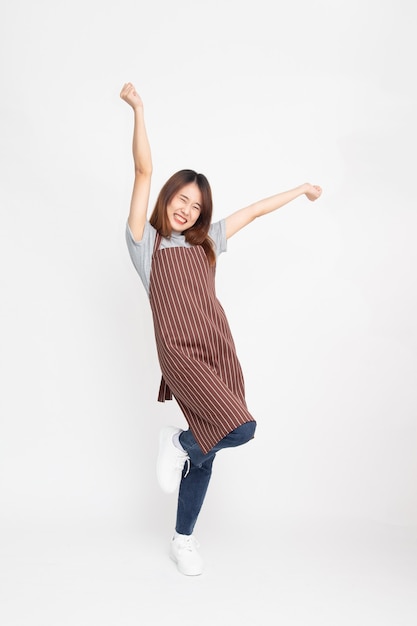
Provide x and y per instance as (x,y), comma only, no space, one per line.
(186,199)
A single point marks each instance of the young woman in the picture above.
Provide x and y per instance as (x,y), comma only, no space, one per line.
(175,255)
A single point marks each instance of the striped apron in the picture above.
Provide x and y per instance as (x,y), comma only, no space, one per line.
(195,346)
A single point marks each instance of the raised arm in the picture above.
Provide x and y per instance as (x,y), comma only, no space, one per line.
(245,216)
(143,163)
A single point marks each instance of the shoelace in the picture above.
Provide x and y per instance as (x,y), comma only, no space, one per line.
(187,460)
(181,462)
(189,543)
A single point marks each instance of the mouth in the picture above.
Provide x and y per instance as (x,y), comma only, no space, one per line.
(179,219)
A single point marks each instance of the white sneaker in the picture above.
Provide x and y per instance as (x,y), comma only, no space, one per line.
(171,460)
(184,552)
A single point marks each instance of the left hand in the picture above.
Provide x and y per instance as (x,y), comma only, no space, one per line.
(312,191)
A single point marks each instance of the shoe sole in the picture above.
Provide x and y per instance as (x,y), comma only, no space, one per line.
(182,571)
(165,434)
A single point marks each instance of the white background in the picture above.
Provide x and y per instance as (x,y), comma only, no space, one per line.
(260,96)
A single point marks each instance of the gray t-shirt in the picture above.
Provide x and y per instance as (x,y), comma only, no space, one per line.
(141,251)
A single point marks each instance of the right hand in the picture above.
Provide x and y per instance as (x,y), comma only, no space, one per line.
(129,95)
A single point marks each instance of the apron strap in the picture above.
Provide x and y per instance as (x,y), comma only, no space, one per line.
(157,242)
(165,392)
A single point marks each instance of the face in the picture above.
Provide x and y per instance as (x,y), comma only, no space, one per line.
(184,209)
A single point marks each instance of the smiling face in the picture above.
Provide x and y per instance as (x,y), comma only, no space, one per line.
(184,209)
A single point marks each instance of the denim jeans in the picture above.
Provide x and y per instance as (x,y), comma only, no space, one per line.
(194,484)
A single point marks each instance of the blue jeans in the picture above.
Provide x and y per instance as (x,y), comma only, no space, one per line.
(194,484)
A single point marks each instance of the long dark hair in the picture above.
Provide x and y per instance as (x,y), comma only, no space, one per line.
(198,233)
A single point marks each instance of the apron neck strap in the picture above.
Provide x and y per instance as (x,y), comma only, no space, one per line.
(157,241)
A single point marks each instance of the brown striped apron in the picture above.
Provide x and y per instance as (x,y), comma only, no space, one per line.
(195,346)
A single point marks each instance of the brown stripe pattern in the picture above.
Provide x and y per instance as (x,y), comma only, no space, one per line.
(195,347)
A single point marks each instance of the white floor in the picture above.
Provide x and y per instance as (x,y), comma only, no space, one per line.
(296,573)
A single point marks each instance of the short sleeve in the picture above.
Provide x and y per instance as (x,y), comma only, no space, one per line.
(217,233)
(141,252)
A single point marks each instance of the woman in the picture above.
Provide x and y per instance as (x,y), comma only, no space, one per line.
(175,255)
